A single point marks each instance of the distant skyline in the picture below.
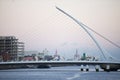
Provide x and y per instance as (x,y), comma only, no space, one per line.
(39,25)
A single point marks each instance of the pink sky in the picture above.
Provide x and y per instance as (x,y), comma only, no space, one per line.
(40,25)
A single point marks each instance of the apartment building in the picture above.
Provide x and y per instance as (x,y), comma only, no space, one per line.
(10,48)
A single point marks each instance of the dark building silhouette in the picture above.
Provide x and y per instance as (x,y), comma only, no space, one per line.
(10,48)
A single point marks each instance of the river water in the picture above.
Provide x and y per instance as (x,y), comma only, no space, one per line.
(58,73)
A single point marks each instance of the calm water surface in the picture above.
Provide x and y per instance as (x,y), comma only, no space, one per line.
(57,73)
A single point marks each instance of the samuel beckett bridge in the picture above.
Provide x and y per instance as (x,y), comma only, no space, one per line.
(105,64)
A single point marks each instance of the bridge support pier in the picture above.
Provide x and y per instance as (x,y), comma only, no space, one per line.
(84,67)
(87,68)
(108,68)
(97,68)
(81,68)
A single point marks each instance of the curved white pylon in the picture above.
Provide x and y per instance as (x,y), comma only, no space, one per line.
(81,24)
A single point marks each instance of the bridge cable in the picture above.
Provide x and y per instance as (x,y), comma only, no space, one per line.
(101,36)
(79,23)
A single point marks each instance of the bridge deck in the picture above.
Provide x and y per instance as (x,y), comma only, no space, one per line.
(60,62)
